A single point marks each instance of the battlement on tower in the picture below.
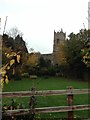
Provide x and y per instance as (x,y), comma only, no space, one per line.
(60,35)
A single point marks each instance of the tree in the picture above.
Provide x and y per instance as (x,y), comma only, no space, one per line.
(86,50)
(74,56)
(86,57)
(13,32)
(33,59)
(42,62)
(10,45)
(19,44)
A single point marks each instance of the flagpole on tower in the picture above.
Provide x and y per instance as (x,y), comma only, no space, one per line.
(5,24)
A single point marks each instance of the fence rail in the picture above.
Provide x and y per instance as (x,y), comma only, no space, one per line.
(46,110)
(70,92)
(45,93)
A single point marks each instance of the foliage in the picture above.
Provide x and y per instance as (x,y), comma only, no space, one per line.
(44,67)
(14,45)
(13,105)
(10,44)
(32,59)
(86,57)
(19,44)
(4,57)
(86,50)
(14,59)
(74,56)
(42,62)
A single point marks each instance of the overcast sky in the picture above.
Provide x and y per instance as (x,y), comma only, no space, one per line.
(38,19)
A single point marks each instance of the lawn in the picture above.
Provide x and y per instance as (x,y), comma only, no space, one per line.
(54,83)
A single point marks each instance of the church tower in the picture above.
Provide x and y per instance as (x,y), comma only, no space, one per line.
(59,39)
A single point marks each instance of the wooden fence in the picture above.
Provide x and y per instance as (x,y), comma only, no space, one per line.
(70,92)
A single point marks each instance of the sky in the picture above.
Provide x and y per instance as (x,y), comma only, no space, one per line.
(37,19)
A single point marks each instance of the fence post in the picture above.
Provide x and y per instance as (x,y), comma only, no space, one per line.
(70,103)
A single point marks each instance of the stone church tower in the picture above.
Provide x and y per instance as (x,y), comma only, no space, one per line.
(58,56)
(59,39)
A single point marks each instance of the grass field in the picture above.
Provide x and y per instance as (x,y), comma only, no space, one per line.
(49,84)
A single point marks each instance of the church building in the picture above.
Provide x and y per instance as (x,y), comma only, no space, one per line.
(59,39)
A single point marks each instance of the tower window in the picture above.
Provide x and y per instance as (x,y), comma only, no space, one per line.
(57,41)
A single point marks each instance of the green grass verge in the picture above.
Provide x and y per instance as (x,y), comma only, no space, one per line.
(44,84)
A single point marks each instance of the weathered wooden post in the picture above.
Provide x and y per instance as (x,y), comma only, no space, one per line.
(70,103)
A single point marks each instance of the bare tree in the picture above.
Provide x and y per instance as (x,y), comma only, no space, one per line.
(13,32)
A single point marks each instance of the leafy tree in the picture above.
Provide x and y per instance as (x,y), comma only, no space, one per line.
(42,62)
(32,63)
(32,59)
(74,56)
(10,45)
(86,50)
(19,44)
